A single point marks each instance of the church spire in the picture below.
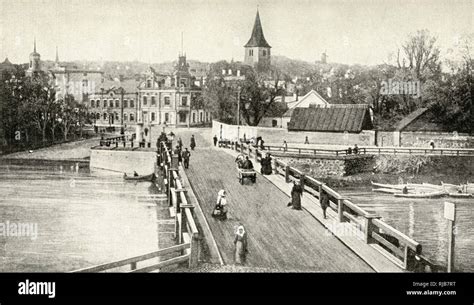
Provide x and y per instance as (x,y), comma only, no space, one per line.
(34,48)
(257,39)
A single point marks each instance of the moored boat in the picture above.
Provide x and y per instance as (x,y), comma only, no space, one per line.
(422,195)
(387,191)
(149,177)
(391,186)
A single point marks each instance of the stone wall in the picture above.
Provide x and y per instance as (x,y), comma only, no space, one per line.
(278,135)
(123,161)
(423,139)
(326,166)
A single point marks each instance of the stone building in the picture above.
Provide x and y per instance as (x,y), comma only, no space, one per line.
(159,99)
(257,49)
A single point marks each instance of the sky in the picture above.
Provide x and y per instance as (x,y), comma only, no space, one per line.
(363,32)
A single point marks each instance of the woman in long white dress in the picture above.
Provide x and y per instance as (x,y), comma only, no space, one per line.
(220,210)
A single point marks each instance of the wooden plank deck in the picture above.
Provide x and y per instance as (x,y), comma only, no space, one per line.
(279,237)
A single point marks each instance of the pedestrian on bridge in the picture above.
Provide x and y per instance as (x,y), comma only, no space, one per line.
(215,140)
(186,156)
(193,142)
(324,202)
(296,194)
(220,209)
(241,246)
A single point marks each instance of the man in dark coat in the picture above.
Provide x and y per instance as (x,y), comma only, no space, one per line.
(186,156)
(247,163)
(193,142)
(324,202)
(215,140)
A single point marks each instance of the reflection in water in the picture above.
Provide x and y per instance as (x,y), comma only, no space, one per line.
(82,219)
(423,220)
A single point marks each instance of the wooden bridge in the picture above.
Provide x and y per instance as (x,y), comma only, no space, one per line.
(290,240)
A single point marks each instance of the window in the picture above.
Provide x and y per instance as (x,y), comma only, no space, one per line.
(148,83)
(125,103)
(105,104)
(125,117)
(111,103)
(132,104)
(116,116)
(92,103)
(153,117)
(184,101)
(167,100)
(182,117)
(194,117)
(105,116)
(200,117)
(264,53)
(132,117)
(167,117)
(97,116)
(117,103)
(153,101)
(144,101)
(250,52)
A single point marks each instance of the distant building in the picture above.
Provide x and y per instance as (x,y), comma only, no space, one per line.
(6,66)
(335,118)
(257,49)
(159,99)
(34,65)
(79,83)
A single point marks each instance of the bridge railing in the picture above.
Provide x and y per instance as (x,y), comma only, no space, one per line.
(133,261)
(398,247)
(361,150)
(186,230)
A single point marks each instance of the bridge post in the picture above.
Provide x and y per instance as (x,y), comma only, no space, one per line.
(287,174)
(302,178)
(340,209)
(194,253)
(256,154)
(369,227)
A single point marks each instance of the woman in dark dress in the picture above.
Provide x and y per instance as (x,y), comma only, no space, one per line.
(266,165)
(296,194)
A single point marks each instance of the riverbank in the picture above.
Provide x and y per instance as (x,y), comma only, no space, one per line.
(401,169)
(71,151)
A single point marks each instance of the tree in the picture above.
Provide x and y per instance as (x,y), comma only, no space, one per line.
(68,115)
(258,94)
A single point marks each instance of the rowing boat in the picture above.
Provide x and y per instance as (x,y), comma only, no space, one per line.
(460,195)
(149,177)
(422,195)
(386,191)
(391,186)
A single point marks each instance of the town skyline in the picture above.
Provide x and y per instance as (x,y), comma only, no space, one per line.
(216,31)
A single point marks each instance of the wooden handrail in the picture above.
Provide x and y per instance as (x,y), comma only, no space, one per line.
(134,259)
(414,245)
(168,262)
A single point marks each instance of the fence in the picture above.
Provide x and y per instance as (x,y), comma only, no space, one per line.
(398,247)
(363,150)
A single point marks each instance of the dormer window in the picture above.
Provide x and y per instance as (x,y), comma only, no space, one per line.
(148,83)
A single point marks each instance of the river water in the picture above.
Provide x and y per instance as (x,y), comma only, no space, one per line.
(82,219)
(423,220)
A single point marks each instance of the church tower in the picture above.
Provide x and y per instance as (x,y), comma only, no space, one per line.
(35,62)
(257,49)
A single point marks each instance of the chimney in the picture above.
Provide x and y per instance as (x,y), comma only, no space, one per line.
(295,95)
